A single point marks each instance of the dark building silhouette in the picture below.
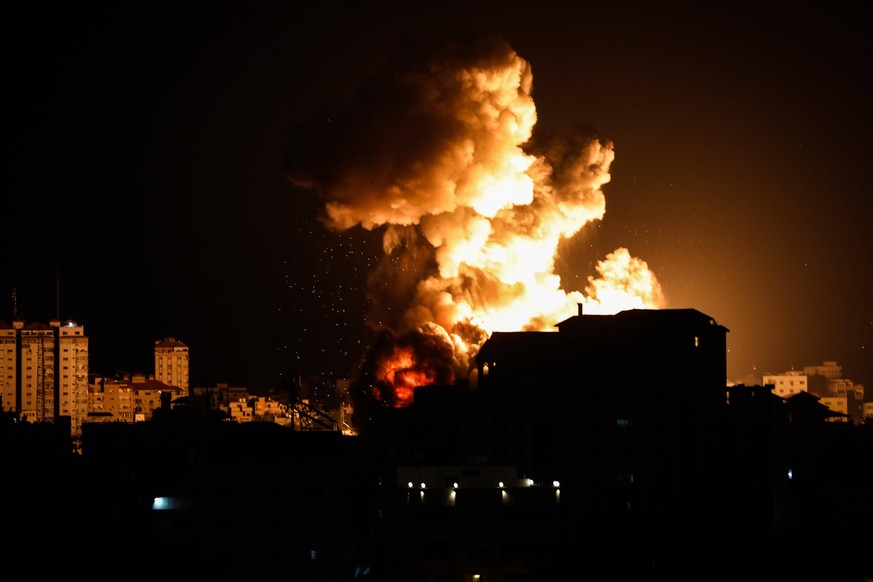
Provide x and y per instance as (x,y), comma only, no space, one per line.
(611,449)
(625,417)
(663,471)
(626,412)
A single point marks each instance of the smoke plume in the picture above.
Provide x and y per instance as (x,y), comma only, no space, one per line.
(437,153)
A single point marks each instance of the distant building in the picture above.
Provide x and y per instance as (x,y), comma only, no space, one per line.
(171,363)
(788,383)
(44,371)
(849,408)
(258,408)
(825,381)
(829,370)
(150,394)
(110,400)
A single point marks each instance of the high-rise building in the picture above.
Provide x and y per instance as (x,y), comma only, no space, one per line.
(8,367)
(44,371)
(171,363)
(72,372)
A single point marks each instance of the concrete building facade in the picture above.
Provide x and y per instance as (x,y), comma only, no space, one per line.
(171,363)
(44,371)
(788,383)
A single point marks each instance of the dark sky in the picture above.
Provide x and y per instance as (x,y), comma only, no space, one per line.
(148,170)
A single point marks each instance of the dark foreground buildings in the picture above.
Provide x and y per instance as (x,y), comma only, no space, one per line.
(611,449)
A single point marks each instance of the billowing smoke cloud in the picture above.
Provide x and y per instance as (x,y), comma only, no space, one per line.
(437,153)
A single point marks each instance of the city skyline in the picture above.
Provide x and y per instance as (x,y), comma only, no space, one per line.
(568,453)
(150,173)
(119,373)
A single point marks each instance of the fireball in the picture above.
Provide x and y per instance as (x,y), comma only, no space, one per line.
(437,154)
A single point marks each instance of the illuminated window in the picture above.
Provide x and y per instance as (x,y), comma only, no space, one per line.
(696,341)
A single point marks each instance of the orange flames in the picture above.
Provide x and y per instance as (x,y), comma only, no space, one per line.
(440,156)
(403,372)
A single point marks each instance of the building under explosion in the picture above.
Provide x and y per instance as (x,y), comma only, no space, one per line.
(621,428)
(438,154)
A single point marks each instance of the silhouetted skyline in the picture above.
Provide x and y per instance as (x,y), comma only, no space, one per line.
(149,172)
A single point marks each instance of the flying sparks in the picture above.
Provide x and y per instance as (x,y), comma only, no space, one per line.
(438,154)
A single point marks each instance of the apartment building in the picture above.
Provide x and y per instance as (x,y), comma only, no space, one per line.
(150,394)
(825,381)
(44,371)
(258,408)
(110,400)
(788,383)
(171,363)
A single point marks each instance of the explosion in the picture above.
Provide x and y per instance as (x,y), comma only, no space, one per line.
(438,154)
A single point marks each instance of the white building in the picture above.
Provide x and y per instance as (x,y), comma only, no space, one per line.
(788,383)
(826,382)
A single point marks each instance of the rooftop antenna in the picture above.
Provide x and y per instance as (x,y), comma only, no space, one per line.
(14,303)
(58,292)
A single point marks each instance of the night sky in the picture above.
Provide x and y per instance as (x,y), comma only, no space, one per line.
(151,147)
